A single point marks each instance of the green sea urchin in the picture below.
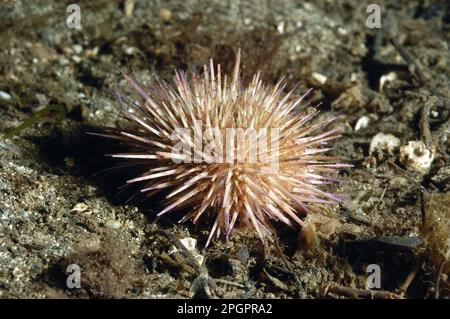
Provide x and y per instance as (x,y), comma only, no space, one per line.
(239,154)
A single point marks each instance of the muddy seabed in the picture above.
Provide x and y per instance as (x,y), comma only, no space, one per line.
(392,80)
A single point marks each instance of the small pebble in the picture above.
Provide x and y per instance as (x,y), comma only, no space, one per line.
(389,77)
(113,224)
(5,96)
(128,7)
(165,14)
(42,99)
(342,31)
(398,183)
(80,208)
(320,78)
(76,59)
(77,48)
(280,27)
(362,123)
(130,50)
(384,142)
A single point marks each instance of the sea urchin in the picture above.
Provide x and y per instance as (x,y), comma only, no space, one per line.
(239,154)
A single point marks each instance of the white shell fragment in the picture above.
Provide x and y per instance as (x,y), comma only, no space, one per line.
(391,76)
(128,7)
(416,156)
(80,208)
(362,123)
(280,27)
(113,224)
(320,78)
(384,142)
(5,96)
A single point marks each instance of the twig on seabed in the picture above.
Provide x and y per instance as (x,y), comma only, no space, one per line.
(425,133)
(412,274)
(192,261)
(204,283)
(230,283)
(438,280)
(443,130)
(414,66)
(361,293)
(289,268)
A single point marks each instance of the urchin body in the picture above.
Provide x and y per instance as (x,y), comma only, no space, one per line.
(237,154)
